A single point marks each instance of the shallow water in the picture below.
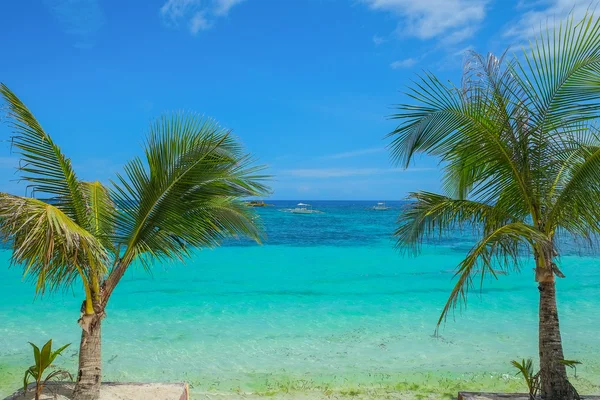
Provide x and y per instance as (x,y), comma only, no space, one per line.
(326,303)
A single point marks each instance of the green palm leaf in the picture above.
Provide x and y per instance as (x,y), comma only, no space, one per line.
(560,75)
(519,150)
(186,193)
(429,215)
(43,166)
(498,251)
(471,131)
(101,213)
(47,243)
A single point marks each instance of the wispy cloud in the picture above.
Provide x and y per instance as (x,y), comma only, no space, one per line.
(406,63)
(196,15)
(222,7)
(174,10)
(199,23)
(321,173)
(545,14)
(354,153)
(81,19)
(460,35)
(455,20)
(378,40)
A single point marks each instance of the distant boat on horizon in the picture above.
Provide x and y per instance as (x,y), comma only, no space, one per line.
(381,206)
(303,208)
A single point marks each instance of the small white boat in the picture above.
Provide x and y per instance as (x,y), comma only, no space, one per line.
(381,206)
(303,208)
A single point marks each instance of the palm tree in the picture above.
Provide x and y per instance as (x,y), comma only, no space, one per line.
(521,163)
(183,194)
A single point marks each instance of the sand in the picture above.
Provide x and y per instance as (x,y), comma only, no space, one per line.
(180,391)
(112,391)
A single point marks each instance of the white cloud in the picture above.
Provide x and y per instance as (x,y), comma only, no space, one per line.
(406,63)
(321,173)
(176,9)
(197,15)
(379,40)
(460,35)
(222,7)
(427,19)
(354,153)
(199,23)
(545,13)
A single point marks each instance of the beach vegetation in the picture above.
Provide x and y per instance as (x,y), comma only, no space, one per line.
(43,363)
(572,364)
(525,369)
(520,154)
(185,192)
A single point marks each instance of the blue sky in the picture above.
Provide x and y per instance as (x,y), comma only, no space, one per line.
(305,84)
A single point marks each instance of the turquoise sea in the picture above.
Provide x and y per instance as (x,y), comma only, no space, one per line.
(326,304)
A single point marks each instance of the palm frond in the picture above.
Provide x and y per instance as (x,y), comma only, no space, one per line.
(518,146)
(101,213)
(574,199)
(429,214)
(476,135)
(561,74)
(49,245)
(429,125)
(186,193)
(499,250)
(43,166)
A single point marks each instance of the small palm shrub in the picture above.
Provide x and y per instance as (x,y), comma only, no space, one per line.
(43,361)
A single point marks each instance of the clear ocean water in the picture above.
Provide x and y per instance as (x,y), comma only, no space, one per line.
(326,303)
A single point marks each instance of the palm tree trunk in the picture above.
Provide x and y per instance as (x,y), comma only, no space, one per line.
(90,363)
(553,375)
